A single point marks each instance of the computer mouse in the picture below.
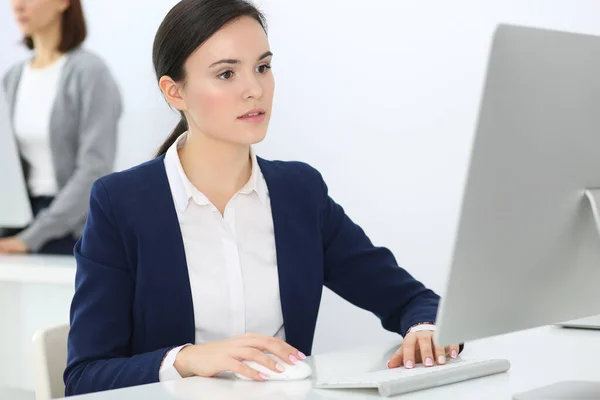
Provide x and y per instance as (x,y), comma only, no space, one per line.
(301,370)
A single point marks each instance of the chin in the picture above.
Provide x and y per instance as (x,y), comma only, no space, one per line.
(254,140)
(257,141)
(25,30)
(244,139)
(241,135)
(251,136)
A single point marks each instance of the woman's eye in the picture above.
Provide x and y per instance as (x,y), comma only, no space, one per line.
(263,68)
(226,75)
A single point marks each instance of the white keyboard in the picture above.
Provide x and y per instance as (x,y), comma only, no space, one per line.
(391,382)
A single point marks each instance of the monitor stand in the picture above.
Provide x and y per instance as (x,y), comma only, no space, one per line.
(575,390)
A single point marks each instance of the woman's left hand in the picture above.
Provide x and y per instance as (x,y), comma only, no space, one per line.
(419,347)
(12,245)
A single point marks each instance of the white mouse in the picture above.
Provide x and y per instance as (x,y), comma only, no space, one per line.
(301,370)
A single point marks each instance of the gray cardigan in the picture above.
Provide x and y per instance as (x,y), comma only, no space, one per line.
(83,137)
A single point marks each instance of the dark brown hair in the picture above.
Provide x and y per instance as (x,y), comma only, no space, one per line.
(73,28)
(189,24)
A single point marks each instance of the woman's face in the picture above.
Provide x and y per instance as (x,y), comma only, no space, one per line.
(35,16)
(229,77)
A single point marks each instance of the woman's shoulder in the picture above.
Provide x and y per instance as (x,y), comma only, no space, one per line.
(84,58)
(87,65)
(79,60)
(12,74)
(297,169)
(139,181)
(292,173)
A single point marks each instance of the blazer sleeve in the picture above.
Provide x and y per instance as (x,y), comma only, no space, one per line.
(368,276)
(99,352)
(100,110)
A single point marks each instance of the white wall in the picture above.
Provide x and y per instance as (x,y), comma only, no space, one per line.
(381,96)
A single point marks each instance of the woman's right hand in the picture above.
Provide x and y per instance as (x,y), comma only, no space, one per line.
(213,358)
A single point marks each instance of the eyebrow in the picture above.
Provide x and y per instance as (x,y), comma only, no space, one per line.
(234,61)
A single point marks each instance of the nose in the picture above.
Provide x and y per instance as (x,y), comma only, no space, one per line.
(18,5)
(253,88)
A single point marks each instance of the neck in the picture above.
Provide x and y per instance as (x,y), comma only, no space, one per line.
(215,168)
(46,45)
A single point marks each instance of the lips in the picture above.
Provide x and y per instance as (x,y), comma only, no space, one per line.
(252,113)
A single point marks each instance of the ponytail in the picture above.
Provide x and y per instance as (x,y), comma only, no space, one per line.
(179,129)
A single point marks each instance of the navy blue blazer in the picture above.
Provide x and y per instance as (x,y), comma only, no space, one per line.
(133,301)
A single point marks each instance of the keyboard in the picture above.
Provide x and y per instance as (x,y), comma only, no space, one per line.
(395,381)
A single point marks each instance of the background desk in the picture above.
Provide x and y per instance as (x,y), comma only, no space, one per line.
(539,357)
(47,270)
(35,292)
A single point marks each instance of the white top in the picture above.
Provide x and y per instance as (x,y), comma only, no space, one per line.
(33,109)
(231,259)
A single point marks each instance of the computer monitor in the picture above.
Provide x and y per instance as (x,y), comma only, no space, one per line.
(15,206)
(527,245)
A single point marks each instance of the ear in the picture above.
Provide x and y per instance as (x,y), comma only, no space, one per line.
(171,91)
(64,5)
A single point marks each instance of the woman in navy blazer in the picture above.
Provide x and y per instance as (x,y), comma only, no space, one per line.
(133,304)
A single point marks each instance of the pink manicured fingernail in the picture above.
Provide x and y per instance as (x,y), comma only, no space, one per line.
(263,376)
(409,364)
(454,354)
(293,359)
(428,362)
(301,355)
(387,364)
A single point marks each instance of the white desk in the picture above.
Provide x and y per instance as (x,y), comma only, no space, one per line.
(53,270)
(539,357)
(35,292)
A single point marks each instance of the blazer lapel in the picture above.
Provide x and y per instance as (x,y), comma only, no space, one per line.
(299,261)
(167,270)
